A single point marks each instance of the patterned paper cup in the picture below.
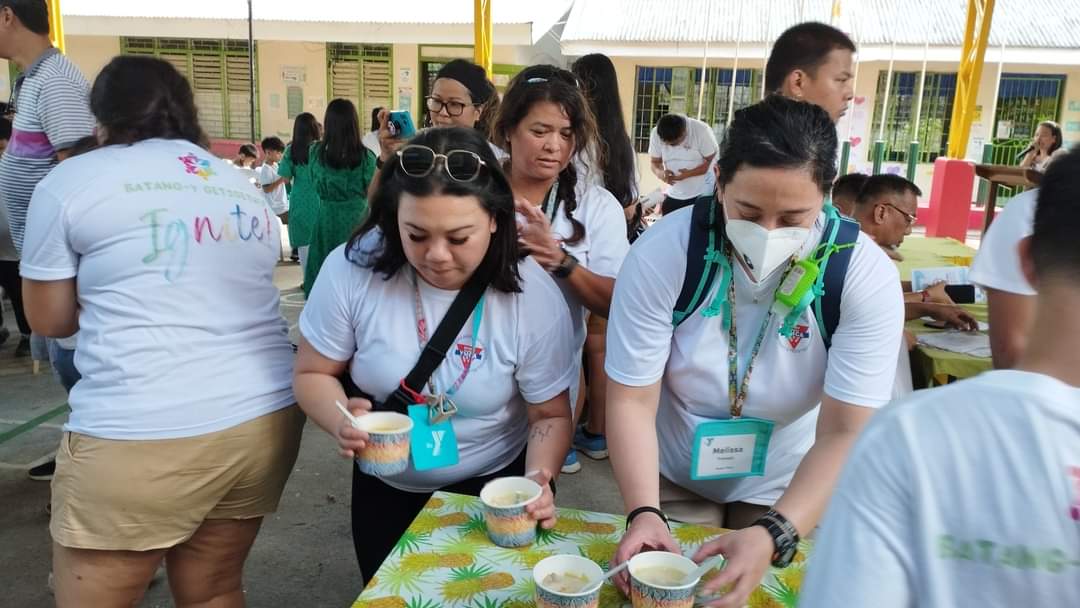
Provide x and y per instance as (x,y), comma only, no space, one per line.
(547,596)
(387,451)
(648,590)
(505,499)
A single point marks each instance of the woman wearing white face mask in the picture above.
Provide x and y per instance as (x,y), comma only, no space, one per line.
(713,403)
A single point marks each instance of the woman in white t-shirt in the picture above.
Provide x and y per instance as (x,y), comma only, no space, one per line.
(183,428)
(443,212)
(1046,146)
(673,397)
(573,229)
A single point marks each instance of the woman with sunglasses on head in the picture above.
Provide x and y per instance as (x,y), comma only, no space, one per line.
(295,168)
(342,169)
(461,96)
(574,230)
(442,219)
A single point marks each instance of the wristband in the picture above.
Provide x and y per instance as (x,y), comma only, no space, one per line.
(640,510)
(378,162)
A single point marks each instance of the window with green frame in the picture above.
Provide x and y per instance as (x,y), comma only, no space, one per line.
(660,90)
(360,73)
(219,72)
(932,132)
(1024,100)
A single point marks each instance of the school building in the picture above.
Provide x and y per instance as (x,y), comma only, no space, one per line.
(387,54)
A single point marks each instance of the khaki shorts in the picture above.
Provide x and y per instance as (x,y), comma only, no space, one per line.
(681,504)
(141,495)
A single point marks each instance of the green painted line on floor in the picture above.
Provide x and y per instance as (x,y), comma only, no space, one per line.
(30,425)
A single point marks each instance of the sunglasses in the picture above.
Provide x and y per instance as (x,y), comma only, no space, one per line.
(420,161)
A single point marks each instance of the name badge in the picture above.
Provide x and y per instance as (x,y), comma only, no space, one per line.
(726,449)
(433,445)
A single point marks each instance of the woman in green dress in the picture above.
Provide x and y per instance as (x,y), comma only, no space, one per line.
(341,169)
(296,170)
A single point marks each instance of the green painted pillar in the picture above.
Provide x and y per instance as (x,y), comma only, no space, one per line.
(879,155)
(912,160)
(845,156)
(984,186)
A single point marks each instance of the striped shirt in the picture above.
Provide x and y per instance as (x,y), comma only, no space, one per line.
(52,113)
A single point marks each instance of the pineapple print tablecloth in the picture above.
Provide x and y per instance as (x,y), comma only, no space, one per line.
(446,559)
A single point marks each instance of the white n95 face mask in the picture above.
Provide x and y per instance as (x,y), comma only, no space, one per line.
(763,251)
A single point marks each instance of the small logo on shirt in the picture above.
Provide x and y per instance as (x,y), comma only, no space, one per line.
(469,355)
(800,338)
(194,165)
(1074,508)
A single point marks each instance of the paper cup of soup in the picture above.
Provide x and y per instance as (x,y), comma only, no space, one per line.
(567,581)
(658,580)
(505,499)
(387,450)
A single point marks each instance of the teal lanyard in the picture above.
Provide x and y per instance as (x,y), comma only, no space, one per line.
(422,336)
(737,391)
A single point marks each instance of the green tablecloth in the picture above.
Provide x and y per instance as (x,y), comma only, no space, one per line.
(937,365)
(446,559)
(930,252)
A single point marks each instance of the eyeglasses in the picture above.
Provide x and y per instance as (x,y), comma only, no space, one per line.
(453,108)
(907,216)
(420,161)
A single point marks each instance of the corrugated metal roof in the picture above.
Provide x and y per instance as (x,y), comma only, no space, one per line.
(1017,23)
(332,11)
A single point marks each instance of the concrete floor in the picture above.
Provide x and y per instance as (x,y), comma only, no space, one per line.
(303,556)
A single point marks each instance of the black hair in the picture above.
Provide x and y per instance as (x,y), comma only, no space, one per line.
(670,128)
(137,98)
(1053,239)
(883,184)
(781,133)
(83,145)
(848,186)
(341,147)
(305,132)
(5,124)
(537,84)
(33,14)
(615,153)
(491,188)
(248,150)
(804,46)
(1055,130)
(375,118)
(272,144)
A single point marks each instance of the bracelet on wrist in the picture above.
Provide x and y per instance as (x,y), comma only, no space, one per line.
(638,511)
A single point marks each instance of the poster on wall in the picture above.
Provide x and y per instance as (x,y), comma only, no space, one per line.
(405,76)
(405,99)
(854,127)
(293,74)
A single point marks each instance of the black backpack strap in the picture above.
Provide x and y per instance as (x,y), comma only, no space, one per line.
(434,352)
(835,272)
(699,273)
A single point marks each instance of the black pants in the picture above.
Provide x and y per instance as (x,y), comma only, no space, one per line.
(674,204)
(12,285)
(382,513)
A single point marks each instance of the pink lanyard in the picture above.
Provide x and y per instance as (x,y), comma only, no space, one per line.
(422,337)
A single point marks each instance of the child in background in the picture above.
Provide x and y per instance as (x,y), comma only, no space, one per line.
(273,185)
(245,161)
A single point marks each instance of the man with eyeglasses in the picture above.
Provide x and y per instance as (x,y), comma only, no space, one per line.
(51,104)
(885,209)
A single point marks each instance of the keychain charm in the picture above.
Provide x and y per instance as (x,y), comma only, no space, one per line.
(440,408)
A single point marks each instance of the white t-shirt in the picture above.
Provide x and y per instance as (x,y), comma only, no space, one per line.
(249,173)
(278,199)
(174,254)
(789,375)
(699,143)
(997,264)
(601,251)
(967,495)
(522,354)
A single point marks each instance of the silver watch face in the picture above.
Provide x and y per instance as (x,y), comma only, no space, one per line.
(786,555)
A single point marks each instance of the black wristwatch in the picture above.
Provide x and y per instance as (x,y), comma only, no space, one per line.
(566,266)
(785,537)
